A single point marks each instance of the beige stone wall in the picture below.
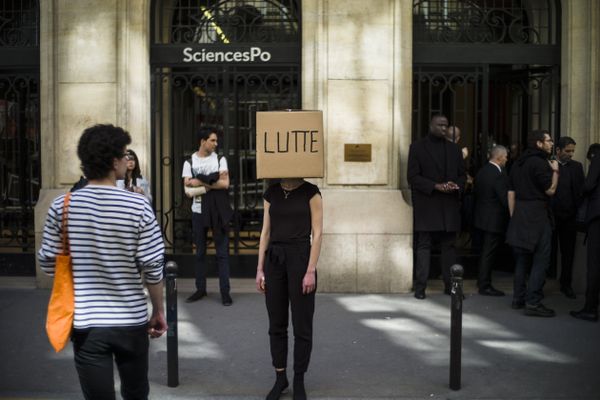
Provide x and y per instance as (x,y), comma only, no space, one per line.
(94,68)
(357,65)
(580,92)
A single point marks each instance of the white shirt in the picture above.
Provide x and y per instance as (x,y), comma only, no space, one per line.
(202,166)
(497,166)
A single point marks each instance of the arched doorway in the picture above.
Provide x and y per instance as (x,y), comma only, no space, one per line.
(216,63)
(19,134)
(491,66)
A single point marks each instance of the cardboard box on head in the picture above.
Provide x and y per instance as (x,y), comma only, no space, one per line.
(289,144)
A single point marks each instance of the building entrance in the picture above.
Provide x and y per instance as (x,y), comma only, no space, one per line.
(19,134)
(492,67)
(216,63)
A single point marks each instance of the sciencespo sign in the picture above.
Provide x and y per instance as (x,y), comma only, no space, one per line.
(253,54)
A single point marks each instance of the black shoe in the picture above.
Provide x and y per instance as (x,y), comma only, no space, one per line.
(585,315)
(226,299)
(299,391)
(491,291)
(280,387)
(420,295)
(198,294)
(568,292)
(538,310)
(517,305)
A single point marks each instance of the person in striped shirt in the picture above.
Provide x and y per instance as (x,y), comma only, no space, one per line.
(114,240)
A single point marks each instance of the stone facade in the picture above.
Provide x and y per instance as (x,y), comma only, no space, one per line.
(357,68)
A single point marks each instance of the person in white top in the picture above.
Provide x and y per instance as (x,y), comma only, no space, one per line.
(134,181)
(206,181)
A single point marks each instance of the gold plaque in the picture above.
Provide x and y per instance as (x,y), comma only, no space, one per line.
(357,152)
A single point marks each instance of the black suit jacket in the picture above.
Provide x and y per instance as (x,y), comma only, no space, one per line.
(434,210)
(491,199)
(591,189)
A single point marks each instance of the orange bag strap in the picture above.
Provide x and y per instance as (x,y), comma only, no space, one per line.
(65,231)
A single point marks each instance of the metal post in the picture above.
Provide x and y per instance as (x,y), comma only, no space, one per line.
(172,351)
(456,326)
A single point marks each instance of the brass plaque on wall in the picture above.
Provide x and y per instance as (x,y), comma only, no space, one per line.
(358,152)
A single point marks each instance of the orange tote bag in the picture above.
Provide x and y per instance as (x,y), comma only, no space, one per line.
(61,308)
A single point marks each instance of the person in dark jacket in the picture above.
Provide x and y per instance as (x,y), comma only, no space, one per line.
(206,171)
(591,190)
(491,215)
(533,181)
(564,208)
(436,175)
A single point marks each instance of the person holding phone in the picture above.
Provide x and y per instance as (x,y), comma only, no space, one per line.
(133,180)
(533,182)
(436,174)
(290,244)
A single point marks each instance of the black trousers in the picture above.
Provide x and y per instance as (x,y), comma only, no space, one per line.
(448,257)
(565,236)
(95,349)
(491,244)
(221,238)
(285,267)
(593,266)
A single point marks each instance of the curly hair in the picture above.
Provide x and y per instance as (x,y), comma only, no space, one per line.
(98,146)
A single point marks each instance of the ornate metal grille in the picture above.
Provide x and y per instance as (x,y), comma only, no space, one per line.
(229,21)
(187,95)
(19,134)
(19,23)
(485,21)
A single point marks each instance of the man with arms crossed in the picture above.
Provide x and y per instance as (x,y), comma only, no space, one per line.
(205,170)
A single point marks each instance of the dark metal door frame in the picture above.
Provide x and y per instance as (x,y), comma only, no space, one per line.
(20,175)
(221,94)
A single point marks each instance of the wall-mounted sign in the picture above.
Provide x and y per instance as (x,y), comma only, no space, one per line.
(253,54)
(211,54)
(289,144)
(357,152)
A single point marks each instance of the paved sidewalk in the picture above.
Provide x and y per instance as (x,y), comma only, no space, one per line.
(366,347)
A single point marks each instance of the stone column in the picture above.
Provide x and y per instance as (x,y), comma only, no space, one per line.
(93,69)
(580,94)
(357,68)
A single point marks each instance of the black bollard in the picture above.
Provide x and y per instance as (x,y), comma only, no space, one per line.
(456,326)
(172,350)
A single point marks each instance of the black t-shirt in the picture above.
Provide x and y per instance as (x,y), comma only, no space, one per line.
(290,216)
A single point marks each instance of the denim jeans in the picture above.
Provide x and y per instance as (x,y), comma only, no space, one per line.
(531,291)
(221,239)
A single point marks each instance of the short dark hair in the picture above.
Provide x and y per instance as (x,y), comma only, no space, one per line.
(438,115)
(98,146)
(593,151)
(205,132)
(536,136)
(564,141)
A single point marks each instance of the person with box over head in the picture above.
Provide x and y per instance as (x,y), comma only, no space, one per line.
(206,181)
(287,274)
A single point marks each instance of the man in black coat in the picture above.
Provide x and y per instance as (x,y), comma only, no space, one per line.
(491,215)
(533,181)
(436,175)
(591,191)
(564,207)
